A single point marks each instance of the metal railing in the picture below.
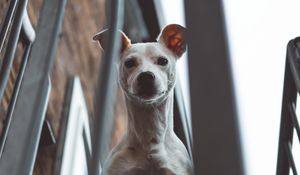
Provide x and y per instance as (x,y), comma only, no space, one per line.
(20,26)
(16,9)
(26,112)
(289,119)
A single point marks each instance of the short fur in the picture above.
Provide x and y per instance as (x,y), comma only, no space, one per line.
(150,146)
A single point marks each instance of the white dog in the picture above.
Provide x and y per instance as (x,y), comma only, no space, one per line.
(147,75)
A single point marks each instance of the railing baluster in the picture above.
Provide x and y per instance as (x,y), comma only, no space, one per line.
(105,97)
(8,19)
(11,46)
(292,109)
(213,106)
(288,149)
(14,98)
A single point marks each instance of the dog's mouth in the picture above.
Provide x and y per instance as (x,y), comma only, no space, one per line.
(146,92)
(148,96)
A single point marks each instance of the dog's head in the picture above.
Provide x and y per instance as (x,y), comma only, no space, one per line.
(147,70)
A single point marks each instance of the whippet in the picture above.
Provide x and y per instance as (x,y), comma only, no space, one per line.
(147,74)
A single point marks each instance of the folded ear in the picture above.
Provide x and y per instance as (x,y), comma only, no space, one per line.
(102,36)
(172,36)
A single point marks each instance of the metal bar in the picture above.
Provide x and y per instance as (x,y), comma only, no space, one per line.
(27,28)
(63,126)
(47,135)
(286,125)
(216,139)
(14,98)
(288,150)
(87,149)
(29,33)
(8,19)
(150,18)
(186,134)
(11,46)
(293,115)
(25,129)
(294,60)
(134,23)
(105,97)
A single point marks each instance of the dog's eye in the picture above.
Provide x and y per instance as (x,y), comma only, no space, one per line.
(130,63)
(162,61)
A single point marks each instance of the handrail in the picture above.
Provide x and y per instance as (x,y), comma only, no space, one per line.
(105,97)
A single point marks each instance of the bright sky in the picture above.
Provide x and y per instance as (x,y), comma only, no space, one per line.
(258,34)
(258,31)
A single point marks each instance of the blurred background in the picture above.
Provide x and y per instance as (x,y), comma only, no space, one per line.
(244,124)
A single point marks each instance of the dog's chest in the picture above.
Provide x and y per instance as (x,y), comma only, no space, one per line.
(149,171)
(152,161)
(150,165)
(131,159)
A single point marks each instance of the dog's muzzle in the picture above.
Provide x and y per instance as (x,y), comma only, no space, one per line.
(146,85)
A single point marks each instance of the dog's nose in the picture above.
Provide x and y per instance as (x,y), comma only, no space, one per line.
(146,77)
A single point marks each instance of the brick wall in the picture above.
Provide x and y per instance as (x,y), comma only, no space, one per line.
(77,55)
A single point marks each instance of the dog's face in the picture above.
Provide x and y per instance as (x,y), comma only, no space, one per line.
(147,71)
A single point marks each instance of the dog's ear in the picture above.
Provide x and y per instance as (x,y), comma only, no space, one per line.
(172,36)
(102,36)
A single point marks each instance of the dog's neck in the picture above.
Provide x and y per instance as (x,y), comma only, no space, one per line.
(150,123)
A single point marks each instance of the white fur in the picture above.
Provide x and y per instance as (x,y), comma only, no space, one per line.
(150,146)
